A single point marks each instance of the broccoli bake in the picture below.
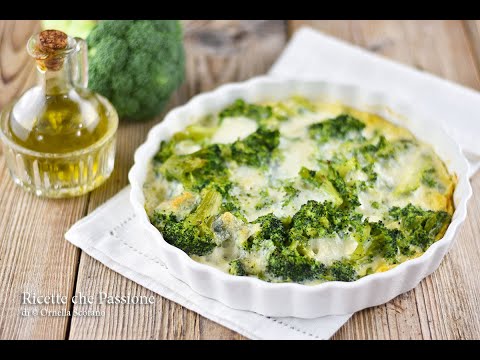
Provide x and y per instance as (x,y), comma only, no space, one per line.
(298,191)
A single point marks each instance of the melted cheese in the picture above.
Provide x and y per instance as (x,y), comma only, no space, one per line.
(296,153)
(233,129)
(327,250)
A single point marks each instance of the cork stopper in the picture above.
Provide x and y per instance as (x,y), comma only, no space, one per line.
(52,40)
(51,45)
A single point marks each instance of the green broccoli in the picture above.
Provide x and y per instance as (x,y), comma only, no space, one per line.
(290,265)
(429,178)
(341,271)
(166,150)
(256,149)
(265,200)
(328,179)
(136,64)
(193,132)
(193,234)
(290,193)
(237,268)
(196,170)
(315,220)
(336,128)
(420,227)
(384,242)
(242,108)
(271,228)
(384,149)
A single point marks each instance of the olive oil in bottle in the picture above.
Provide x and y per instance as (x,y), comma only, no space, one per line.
(59,137)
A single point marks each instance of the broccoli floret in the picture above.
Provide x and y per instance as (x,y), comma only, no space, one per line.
(290,193)
(166,150)
(330,180)
(316,219)
(237,268)
(242,108)
(290,265)
(384,241)
(284,110)
(194,132)
(271,228)
(193,234)
(256,149)
(372,175)
(420,227)
(384,149)
(196,170)
(341,271)
(136,64)
(428,178)
(321,182)
(336,128)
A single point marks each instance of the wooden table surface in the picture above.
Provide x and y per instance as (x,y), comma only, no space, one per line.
(35,257)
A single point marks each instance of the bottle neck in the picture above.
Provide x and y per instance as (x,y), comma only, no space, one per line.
(56,82)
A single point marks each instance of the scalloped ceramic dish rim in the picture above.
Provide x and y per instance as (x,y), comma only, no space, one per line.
(170,125)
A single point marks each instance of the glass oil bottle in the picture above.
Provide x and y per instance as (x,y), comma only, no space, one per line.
(59,137)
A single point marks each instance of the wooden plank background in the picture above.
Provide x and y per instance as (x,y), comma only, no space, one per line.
(35,257)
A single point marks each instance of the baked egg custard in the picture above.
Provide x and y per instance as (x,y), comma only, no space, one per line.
(298,191)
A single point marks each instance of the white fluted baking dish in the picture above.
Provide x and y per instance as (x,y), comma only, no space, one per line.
(290,299)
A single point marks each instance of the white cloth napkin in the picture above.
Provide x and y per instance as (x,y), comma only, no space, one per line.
(112,235)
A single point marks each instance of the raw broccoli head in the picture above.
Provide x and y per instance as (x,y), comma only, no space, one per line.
(336,128)
(194,234)
(136,64)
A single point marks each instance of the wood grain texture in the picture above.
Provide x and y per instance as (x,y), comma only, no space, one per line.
(215,55)
(445,305)
(34,256)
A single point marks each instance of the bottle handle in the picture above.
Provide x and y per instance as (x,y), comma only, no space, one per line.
(80,65)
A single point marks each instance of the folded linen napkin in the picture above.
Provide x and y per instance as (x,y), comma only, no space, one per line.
(112,235)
